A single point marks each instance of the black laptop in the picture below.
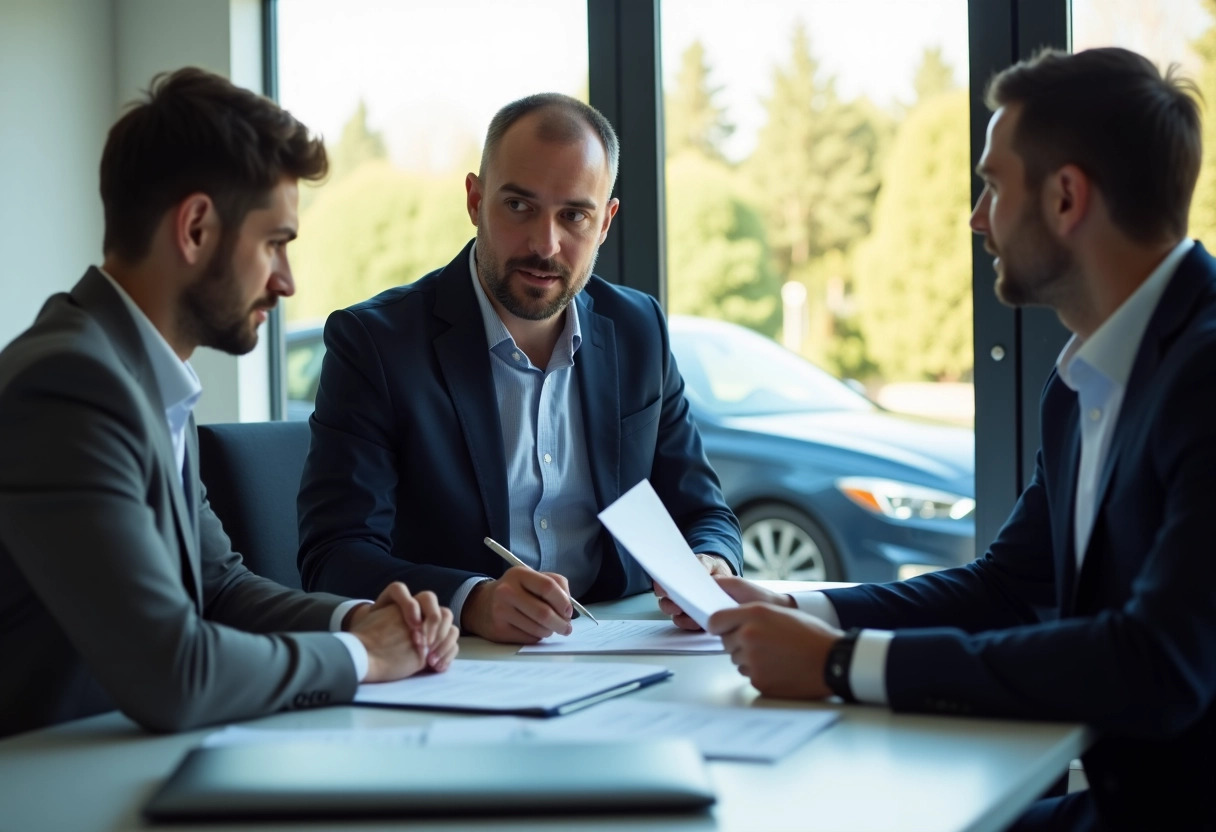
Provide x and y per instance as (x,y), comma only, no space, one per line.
(304,780)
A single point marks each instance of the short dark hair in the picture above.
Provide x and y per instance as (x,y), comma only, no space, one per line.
(1110,112)
(564,121)
(197,132)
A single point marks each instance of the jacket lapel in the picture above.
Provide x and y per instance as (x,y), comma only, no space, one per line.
(95,294)
(464,361)
(600,395)
(1194,274)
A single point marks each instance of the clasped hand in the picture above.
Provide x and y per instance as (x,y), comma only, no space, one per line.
(404,633)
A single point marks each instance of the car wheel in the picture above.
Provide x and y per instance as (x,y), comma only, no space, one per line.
(782,543)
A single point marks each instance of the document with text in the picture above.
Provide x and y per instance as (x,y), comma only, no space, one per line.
(620,636)
(512,687)
(641,523)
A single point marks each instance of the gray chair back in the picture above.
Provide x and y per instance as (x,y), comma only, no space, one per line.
(252,473)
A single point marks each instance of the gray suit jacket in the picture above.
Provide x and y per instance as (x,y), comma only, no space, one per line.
(119,588)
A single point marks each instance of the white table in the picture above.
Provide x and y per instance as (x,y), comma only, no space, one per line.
(872,770)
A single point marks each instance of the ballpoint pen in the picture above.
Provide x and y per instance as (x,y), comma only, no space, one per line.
(505,553)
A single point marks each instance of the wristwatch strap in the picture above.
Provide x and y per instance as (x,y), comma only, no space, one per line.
(839,662)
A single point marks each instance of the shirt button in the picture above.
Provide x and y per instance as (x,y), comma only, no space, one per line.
(1095,414)
(544,524)
(548,458)
(515,355)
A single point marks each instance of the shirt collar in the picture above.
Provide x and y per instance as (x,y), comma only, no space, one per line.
(1111,349)
(496,331)
(176,380)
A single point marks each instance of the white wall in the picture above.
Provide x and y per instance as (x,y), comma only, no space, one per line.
(67,68)
(56,104)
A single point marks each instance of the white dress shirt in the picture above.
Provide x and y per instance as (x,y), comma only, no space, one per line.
(1097,369)
(180,390)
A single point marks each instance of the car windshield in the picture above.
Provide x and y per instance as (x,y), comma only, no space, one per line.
(732,371)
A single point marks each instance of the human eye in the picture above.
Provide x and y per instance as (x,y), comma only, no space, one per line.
(517,206)
(574,215)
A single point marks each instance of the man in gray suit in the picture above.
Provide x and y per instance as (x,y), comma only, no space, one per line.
(118,586)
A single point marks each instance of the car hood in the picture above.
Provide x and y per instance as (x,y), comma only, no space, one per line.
(943,450)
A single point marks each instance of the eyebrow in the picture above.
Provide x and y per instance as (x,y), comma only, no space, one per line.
(585,204)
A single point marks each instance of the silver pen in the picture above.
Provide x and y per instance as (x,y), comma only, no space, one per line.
(505,553)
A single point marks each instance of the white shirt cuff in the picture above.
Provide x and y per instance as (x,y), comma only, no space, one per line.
(335,620)
(462,594)
(358,654)
(868,672)
(818,605)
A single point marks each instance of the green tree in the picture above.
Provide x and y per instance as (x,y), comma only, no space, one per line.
(933,76)
(694,120)
(718,262)
(356,144)
(374,228)
(913,278)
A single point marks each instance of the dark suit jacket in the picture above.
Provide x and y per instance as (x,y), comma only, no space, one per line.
(117,587)
(407,471)
(1130,643)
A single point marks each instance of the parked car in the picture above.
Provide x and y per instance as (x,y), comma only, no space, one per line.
(826,484)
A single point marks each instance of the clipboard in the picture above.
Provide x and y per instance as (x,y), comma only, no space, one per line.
(525,688)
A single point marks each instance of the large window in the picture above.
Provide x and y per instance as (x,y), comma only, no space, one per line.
(1181,32)
(403,92)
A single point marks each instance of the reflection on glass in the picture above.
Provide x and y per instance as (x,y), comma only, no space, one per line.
(818,184)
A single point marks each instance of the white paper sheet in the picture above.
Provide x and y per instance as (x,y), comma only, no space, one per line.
(510,687)
(622,636)
(720,733)
(761,735)
(643,526)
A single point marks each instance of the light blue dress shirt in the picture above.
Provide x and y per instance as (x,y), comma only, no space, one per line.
(551,498)
(1098,370)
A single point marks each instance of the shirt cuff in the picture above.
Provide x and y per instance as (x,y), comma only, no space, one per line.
(818,605)
(339,613)
(358,654)
(868,672)
(461,595)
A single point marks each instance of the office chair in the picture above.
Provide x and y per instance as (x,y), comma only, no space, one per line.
(252,473)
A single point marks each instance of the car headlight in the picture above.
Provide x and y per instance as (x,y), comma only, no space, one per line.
(904,501)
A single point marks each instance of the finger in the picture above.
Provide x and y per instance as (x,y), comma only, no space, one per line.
(685,622)
(428,603)
(659,591)
(396,593)
(542,586)
(526,621)
(445,651)
(726,621)
(670,607)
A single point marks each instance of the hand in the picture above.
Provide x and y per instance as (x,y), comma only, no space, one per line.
(716,567)
(521,607)
(782,651)
(746,592)
(404,634)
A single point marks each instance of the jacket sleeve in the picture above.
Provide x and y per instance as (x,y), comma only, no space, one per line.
(80,520)
(1143,664)
(348,493)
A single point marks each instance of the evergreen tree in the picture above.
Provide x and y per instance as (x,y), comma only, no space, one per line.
(933,76)
(693,118)
(913,278)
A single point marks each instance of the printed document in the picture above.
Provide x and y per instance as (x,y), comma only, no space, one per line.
(621,636)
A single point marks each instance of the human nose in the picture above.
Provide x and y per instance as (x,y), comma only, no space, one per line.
(282,282)
(544,241)
(979,214)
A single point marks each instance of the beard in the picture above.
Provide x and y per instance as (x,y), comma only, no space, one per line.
(530,303)
(212,310)
(1034,265)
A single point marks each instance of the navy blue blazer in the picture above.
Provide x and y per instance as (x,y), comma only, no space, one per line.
(407,473)
(1129,644)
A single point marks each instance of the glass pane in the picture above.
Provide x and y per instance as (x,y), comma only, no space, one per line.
(1167,32)
(403,93)
(818,191)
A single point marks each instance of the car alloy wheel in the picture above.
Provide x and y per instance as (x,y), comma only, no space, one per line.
(782,543)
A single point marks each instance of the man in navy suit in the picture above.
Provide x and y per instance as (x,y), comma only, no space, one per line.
(510,394)
(1089,167)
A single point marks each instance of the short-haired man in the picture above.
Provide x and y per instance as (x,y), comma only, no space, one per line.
(510,394)
(118,586)
(1089,167)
